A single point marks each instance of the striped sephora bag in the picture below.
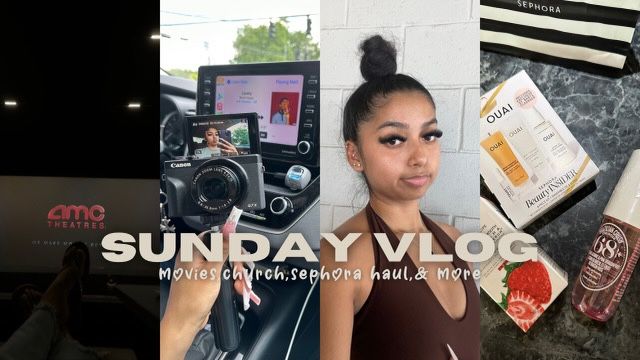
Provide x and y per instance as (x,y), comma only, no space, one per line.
(576,33)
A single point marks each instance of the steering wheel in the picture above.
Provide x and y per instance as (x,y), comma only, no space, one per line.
(172,136)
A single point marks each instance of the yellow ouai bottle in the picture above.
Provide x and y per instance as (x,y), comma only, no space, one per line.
(500,151)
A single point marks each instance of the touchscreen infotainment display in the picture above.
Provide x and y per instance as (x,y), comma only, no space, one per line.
(276,98)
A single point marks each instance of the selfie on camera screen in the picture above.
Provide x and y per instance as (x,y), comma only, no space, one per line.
(212,138)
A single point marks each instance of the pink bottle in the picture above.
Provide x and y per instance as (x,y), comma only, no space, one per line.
(613,256)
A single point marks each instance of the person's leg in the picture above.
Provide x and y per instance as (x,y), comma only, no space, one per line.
(70,349)
(67,348)
(43,334)
(40,338)
(35,338)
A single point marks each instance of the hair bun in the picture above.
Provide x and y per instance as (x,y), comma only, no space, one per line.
(378,58)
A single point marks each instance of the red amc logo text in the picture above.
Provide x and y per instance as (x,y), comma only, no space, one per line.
(73,212)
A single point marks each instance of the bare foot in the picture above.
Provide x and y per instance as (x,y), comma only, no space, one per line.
(26,297)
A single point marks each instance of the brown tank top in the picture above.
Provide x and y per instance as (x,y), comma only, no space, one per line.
(403,319)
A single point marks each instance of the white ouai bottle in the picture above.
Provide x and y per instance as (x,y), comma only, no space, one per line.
(555,149)
(520,138)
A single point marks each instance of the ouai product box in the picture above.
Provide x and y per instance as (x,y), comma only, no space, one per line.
(523,290)
(529,159)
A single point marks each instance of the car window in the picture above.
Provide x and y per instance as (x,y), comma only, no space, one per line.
(195,33)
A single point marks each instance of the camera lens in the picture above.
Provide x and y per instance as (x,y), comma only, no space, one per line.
(215,189)
(218,184)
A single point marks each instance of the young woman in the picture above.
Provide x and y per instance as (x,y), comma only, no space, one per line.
(216,146)
(391,137)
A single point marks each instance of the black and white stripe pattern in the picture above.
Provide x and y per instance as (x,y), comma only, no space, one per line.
(588,31)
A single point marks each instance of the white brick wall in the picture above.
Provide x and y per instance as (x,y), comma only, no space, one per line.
(437,43)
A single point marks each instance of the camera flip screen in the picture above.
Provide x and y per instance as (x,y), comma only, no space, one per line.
(276,98)
(223,135)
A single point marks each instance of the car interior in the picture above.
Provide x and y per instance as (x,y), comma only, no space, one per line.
(286,323)
(79,150)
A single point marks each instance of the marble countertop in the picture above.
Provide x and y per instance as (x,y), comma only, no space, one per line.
(603,113)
